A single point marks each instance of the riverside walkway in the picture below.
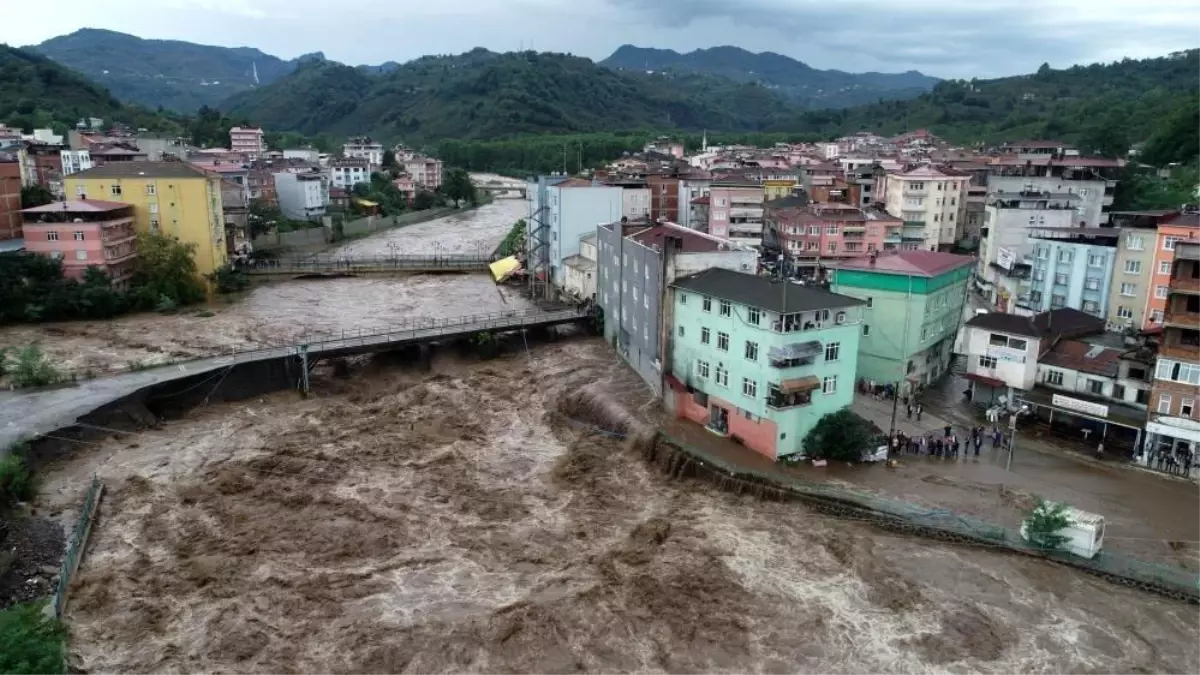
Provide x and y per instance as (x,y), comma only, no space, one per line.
(25,415)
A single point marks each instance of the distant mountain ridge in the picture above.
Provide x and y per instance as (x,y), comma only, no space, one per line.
(796,80)
(176,75)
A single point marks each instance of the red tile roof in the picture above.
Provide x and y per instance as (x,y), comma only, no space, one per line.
(701,200)
(1182,220)
(914,263)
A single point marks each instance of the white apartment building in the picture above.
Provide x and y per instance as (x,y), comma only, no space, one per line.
(74,161)
(1005,250)
(928,199)
(1090,178)
(346,173)
(311,155)
(362,147)
(302,196)
(635,203)
(248,141)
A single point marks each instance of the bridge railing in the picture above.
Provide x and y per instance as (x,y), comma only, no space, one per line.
(433,326)
(400,262)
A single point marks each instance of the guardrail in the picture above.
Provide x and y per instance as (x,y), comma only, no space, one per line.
(397,262)
(77,544)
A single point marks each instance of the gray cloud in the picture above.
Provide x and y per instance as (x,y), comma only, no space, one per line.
(981,38)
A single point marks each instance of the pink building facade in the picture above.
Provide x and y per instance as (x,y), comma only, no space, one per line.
(406,186)
(247,141)
(813,233)
(426,172)
(84,233)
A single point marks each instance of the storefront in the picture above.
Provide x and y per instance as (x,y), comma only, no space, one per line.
(1089,421)
(1171,446)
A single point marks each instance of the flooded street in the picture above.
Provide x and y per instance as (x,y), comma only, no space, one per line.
(280,312)
(453,520)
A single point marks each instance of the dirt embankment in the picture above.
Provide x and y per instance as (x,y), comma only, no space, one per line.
(454,520)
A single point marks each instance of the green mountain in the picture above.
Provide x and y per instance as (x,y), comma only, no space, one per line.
(37,92)
(482,94)
(794,79)
(176,75)
(1105,107)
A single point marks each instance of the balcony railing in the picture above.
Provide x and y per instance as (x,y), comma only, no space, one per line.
(1180,352)
(1181,318)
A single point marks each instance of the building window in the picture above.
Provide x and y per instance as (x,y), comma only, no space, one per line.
(683,298)
(751,350)
(814,230)
(987,362)
(1096,386)
(1124,312)
(681,331)
(829,384)
(1164,268)
(1164,404)
(80,254)
(725,309)
(635,294)
(705,334)
(1133,266)
(866,330)
(1128,289)
(723,341)
(78,235)
(831,228)
(702,369)
(749,387)
(154,207)
(1039,275)
(1169,243)
(869,301)
(1065,256)
(833,351)
(1058,301)
(154,224)
(52,235)
(1091,283)
(722,376)
(1035,297)
(1060,279)
(1135,243)
(1091,306)
(115,190)
(753,316)
(646,301)
(706,304)
(1185,407)
(833,247)
(1041,253)
(1054,377)
(1156,316)
(1178,371)
(1160,292)
(1095,260)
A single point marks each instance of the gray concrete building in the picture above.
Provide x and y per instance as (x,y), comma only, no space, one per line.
(633,276)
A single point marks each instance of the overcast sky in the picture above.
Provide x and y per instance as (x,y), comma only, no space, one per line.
(950,38)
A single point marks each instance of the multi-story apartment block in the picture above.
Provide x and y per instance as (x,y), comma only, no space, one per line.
(362,147)
(693,185)
(914,306)
(426,172)
(1072,267)
(84,233)
(928,200)
(247,141)
(10,197)
(1172,229)
(1092,179)
(1005,251)
(635,265)
(309,154)
(761,360)
(1174,426)
(562,211)
(173,197)
(635,197)
(346,173)
(664,197)
(812,234)
(74,161)
(302,196)
(1133,266)
(735,212)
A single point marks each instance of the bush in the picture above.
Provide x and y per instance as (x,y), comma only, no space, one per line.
(840,435)
(33,369)
(227,279)
(1043,524)
(30,642)
(16,481)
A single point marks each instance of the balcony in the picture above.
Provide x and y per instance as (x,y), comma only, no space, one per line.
(1181,318)
(1179,351)
(1185,250)
(795,355)
(854,228)
(792,393)
(743,212)
(1185,286)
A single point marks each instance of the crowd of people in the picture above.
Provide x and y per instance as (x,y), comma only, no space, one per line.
(948,444)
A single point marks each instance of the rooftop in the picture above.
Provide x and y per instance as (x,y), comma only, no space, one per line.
(1182,220)
(142,170)
(77,206)
(1065,322)
(782,297)
(691,241)
(1083,357)
(914,263)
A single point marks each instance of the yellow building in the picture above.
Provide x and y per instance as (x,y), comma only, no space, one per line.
(774,188)
(174,198)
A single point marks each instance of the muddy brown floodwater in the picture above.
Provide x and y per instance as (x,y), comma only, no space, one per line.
(281,312)
(452,520)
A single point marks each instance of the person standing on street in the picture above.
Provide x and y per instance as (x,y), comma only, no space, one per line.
(919,409)
(908,410)
(978,443)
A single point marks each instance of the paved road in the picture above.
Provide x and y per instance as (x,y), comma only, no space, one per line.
(27,415)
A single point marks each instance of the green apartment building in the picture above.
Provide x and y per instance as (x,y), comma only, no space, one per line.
(914,306)
(760,360)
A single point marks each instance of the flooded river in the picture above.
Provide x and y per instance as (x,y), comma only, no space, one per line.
(451,520)
(280,312)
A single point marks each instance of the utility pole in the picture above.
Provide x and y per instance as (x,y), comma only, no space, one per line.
(304,369)
(895,406)
(1012,440)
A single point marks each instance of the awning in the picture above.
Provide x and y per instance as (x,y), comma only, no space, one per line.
(799,384)
(796,350)
(504,268)
(984,379)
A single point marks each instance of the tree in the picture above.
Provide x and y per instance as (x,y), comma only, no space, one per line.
(1043,524)
(35,195)
(264,217)
(30,642)
(33,369)
(389,160)
(165,272)
(424,200)
(459,187)
(840,435)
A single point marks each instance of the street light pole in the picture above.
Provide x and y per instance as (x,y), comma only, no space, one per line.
(1012,438)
